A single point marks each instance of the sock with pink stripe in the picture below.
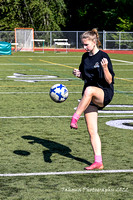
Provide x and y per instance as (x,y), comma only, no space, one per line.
(98,158)
(75,118)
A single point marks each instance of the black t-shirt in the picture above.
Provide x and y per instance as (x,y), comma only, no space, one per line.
(92,71)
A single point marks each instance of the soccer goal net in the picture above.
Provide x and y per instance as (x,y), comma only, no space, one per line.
(24,38)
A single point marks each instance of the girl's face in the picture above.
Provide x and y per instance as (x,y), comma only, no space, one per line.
(88,45)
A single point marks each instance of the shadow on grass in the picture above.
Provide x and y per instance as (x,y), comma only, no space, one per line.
(22,152)
(53,147)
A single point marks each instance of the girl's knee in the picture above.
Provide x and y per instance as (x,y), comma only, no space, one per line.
(88,91)
(92,131)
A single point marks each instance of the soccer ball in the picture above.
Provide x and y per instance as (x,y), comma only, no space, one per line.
(58,93)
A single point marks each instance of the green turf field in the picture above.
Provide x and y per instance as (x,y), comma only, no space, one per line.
(35,136)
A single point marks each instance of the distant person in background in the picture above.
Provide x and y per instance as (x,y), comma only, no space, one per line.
(97,72)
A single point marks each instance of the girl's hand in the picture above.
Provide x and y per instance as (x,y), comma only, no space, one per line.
(104,63)
(107,74)
(77,73)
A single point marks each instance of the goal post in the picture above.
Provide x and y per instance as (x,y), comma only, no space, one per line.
(24,37)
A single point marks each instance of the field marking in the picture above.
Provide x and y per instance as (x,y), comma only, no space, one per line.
(30,117)
(36,78)
(56,64)
(127,62)
(34,92)
(127,78)
(119,123)
(116,111)
(33,86)
(123,79)
(122,64)
(42,56)
(124,61)
(49,63)
(123,70)
(127,92)
(68,173)
(119,106)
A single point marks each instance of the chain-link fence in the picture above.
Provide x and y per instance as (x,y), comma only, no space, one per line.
(118,40)
(110,40)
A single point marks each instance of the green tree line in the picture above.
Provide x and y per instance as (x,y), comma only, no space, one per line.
(70,15)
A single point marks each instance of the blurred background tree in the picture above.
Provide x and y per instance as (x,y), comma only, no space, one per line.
(111,15)
(42,15)
(69,15)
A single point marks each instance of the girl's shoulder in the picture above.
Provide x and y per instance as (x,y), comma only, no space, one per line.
(103,54)
(86,54)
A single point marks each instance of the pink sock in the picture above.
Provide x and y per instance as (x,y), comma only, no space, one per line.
(98,159)
(75,118)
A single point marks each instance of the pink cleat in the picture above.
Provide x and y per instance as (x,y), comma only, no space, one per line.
(74,121)
(95,165)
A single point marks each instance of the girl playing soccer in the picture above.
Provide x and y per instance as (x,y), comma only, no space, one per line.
(97,72)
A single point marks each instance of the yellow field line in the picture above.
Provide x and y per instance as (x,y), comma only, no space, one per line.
(124,79)
(56,64)
(74,67)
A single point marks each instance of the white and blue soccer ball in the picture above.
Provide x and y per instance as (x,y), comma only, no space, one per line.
(58,93)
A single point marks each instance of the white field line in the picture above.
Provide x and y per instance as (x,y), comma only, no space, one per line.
(21,64)
(30,117)
(69,172)
(123,70)
(59,57)
(119,106)
(69,93)
(115,116)
(122,64)
(26,70)
(124,61)
(42,56)
(33,92)
(36,64)
(116,111)
(22,70)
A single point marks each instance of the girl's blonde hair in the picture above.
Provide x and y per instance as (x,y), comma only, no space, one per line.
(92,35)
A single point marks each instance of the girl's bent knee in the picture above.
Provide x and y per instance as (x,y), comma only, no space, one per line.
(88,91)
